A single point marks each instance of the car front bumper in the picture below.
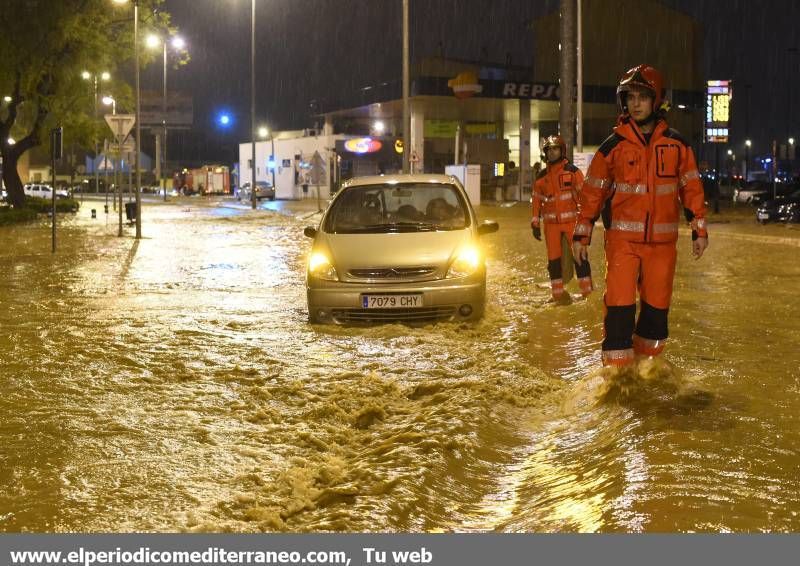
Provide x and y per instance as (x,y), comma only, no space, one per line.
(445,299)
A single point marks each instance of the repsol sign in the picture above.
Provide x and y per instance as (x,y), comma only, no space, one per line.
(536,91)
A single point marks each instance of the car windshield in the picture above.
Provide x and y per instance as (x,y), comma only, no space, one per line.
(403,207)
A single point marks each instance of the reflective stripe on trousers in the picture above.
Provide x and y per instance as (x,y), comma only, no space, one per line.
(617,357)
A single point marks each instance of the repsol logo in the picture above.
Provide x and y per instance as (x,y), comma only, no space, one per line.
(536,91)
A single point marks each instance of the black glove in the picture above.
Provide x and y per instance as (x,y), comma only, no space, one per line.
(537,232)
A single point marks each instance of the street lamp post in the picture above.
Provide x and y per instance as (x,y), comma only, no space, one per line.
(109,101)
(263,132)
(406,102)
(253,199)
(138,111)
(177,43)
(104,76)
(138,122)
(747,144)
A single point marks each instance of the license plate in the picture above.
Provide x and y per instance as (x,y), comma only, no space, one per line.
(763,216)
(391,301)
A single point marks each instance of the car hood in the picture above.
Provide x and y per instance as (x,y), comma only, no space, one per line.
(405,249)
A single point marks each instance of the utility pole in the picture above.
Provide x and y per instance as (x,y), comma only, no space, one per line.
(566,111)
(406,102)
(56,151)
(253,197)
(164,168)
(138,125)
(579,143)
(746,131)
(94,134)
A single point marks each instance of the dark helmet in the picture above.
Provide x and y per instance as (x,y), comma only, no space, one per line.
(646,77)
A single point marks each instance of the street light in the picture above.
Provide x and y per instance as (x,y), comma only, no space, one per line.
(179,45)
(109,101)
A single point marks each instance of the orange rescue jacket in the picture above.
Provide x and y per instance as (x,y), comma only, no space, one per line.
(640,187)
(556,192)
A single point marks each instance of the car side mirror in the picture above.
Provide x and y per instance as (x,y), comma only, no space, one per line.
(310,232)
(487,227)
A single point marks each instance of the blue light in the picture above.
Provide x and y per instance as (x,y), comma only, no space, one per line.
(224,119)
(768,160)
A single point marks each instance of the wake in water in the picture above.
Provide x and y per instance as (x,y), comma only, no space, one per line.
(648,381)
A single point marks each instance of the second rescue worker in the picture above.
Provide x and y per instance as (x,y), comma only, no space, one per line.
(555,199)
(640,178)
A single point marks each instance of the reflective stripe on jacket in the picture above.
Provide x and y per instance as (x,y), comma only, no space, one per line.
(556,192)
(641,188)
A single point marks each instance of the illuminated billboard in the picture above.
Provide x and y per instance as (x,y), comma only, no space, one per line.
(718,111)
(362,145)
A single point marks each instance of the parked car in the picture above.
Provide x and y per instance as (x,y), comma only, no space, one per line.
(780,190)
(263,190)
(750,191)
(789,212)
(397,248)
(769,210)
(43,191)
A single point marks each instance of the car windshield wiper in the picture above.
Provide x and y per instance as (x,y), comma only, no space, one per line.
(411,226)
(394,227)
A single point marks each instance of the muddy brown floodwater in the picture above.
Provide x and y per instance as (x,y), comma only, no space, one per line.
(173,384)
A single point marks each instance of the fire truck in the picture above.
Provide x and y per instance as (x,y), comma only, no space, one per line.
(205,180)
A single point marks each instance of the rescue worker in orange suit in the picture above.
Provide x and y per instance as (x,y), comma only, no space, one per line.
(639,179)
(555,200)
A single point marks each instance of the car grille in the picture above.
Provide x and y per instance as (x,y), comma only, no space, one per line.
(424,314)
(392,272)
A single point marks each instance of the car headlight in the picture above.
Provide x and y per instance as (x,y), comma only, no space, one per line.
(466,262)
(321,267)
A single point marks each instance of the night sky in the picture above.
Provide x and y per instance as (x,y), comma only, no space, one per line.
(307,49)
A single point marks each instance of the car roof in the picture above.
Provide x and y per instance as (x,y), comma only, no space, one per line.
(400,178)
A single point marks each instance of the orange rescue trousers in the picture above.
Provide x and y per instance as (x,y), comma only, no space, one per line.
(650,267)
(554,234)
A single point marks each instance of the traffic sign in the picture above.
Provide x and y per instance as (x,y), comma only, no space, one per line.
(120,124)
(128,146)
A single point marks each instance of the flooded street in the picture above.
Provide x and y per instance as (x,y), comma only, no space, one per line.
(174,384)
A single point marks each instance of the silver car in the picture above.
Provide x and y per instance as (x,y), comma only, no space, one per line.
(397,248)
(263,190)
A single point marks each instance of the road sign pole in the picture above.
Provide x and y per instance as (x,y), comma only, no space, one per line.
(116,180)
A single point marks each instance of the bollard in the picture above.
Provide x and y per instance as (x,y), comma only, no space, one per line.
(105,206)
(94,213)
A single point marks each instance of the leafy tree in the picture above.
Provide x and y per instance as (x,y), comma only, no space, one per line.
(45,46)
